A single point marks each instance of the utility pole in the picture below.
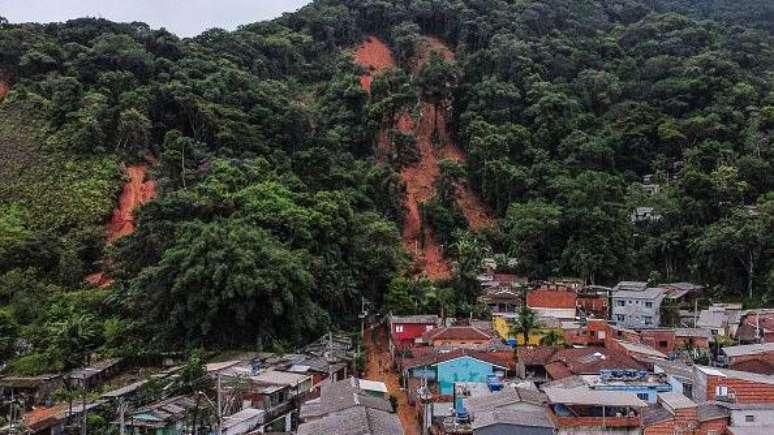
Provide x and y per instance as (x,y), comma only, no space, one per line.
(122,406)
(220,408)
(83,412)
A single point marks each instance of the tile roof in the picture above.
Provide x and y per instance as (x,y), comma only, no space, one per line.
(589,360)
(535,355)
(545,298)
(456,333)
(735,374)
(354,421)
(337,396)
(528,418)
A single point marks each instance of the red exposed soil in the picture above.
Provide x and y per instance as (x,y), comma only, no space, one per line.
(374,55)
(136,192)
(4,89)
(378,368)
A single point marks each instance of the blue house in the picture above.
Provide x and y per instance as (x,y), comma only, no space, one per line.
(464,369)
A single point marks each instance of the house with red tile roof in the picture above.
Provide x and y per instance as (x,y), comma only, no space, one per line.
(558,303)
(456,336)
(588,361)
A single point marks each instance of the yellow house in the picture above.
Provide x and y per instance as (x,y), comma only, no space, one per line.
(503,327)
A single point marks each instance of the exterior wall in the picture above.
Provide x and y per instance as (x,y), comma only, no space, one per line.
(661,340)
(766,356)
(762,417)
(556,313)
(508,429)
(713,427)
(596,305)
(410,331)
(464,369)
(694,342)
(444,342)
(633,313)
(649,394)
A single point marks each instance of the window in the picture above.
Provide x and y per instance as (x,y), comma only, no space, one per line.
(749,418)
(620,317)
(398,328)
(629,302)
(688,390)
(721,391)
(647,320)
(662,343)
(637,302)
(428,327)
(621,303)
(642,396)
(648,304)
(713,432)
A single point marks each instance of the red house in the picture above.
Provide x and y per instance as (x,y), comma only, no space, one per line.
(404,330)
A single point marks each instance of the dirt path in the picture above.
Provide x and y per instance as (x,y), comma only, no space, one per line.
(378,368)
(137,191)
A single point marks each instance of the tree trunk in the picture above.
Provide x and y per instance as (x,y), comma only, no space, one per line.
(750,274)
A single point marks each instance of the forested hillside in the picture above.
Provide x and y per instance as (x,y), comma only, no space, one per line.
(283,185)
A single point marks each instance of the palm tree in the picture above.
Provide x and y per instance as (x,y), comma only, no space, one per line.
(526,322)
(553,338)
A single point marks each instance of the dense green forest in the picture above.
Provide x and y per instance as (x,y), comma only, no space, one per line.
(274,214)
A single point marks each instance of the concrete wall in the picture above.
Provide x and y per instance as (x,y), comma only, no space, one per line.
(761,417)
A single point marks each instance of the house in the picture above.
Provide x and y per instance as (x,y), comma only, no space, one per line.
(531,362)
(720,319)
(724,385)
(593,302)
(94,375)
(756,326)
(683,293)
(645,385)
(31,390)
(637,309)
(344,408)
(677,414)
(593,333)
(51,420)
(501,301)
(692,338)
(242,422)
(511,411)
(588,361)
(459,365)
(405,330)
(644,214)
(162,418)
(584,411)
(456,336)
(558,303)
(277,393)
(750,419)
(758,357)
(678,374)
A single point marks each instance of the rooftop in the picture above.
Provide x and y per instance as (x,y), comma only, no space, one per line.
(649,293)
(748,349)
(589,397)
(456,333)
(676,400)
(735,374)
(548,298)
(641,349)
(631,285)
(354,421)
(420,319)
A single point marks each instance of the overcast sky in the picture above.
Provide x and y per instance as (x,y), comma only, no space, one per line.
(183,17)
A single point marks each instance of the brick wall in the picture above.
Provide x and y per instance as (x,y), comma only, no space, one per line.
(661,340)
